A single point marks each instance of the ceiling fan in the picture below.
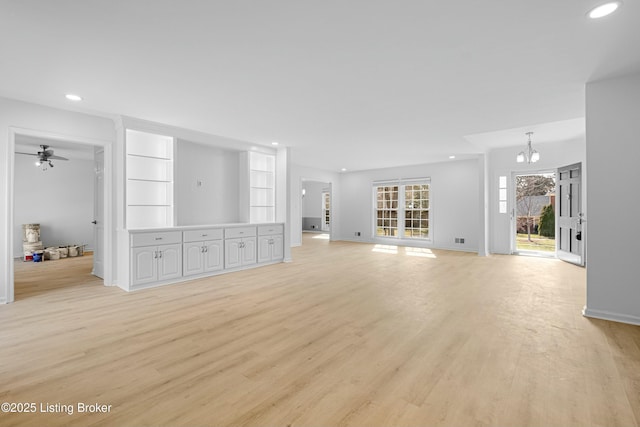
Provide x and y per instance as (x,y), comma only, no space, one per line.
(44,157)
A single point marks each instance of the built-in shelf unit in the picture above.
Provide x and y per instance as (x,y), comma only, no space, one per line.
(258,170)
(149,180)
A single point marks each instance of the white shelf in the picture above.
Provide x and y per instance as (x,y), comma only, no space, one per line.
(261,187)
(149,180)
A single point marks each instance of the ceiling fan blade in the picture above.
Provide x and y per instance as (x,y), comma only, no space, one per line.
(57,158)
(28,154)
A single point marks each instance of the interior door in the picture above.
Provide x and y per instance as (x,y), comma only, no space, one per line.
(570,238)
(326,211)
(98,214)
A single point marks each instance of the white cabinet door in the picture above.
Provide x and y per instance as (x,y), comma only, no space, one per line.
(232,249)
(277,247)
(169,261)
(264,248)
(144,267)
(249,251)
(212,255)
(192,258)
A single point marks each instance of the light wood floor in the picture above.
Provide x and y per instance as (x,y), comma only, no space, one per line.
(343,336)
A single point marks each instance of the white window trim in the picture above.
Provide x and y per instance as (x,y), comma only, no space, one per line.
(416,241)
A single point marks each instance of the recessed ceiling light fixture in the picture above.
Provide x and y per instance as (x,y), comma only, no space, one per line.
(343,169)
(72,97)
(604,9)
(274,143)
(452,157)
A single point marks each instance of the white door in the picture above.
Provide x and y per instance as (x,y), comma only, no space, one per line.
(249,251)
(144,267)
(192,257)
(277,247)
(232,253)
(213,255)
(264,248)
(326,211)
(98,214)
(169,261)
(569,236)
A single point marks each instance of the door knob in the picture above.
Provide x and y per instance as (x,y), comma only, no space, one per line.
(94,222)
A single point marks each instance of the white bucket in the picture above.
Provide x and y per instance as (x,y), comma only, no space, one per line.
(73,251)
(64,252)
(30,233)
(53,254)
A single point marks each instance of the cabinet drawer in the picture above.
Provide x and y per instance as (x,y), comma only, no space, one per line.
(204,234)
(230,233)
(268,230)
(155,238)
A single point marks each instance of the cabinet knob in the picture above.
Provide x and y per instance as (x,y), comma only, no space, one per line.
(158,238)
(204,235)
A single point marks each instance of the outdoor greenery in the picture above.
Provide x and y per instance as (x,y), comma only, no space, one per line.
(535,242)
(547,226)
(528,186)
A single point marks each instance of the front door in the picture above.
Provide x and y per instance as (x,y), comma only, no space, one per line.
(570,237)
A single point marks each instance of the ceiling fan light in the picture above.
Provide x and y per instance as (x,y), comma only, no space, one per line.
(38,163)
(520,157)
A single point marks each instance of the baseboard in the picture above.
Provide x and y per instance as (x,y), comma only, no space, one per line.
(608,315)
(403,244)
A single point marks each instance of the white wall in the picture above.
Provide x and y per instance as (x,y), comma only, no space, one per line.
(17,115)
(298,173)
(312,201)
(455,203)
(216,200)
(502,162)
(613,150)
(60,199)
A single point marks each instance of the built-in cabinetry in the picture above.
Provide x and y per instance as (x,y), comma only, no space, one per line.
(175,254)
(155,257)
(239,246)
(202,251)
(257,173)
(270,242)
(149,180)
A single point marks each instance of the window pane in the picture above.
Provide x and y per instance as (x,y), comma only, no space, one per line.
(503,207)
(503,194)
(503,182)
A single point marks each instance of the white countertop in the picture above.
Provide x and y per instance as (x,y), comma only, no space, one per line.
(202,226)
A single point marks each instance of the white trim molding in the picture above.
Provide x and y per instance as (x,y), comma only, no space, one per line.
(608,315)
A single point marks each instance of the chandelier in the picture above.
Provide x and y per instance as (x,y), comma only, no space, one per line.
(531,155)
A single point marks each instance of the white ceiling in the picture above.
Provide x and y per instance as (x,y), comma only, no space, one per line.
(358,84)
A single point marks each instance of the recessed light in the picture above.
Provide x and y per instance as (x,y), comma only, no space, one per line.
(72,97)
(604,9)
(452,157)
(343,169)
(274,143)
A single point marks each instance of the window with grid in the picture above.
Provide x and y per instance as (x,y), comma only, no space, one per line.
(402,209)
(387,211)
(416,211)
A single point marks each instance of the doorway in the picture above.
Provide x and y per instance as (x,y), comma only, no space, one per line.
(316,208)
(17,138)
(534,230)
